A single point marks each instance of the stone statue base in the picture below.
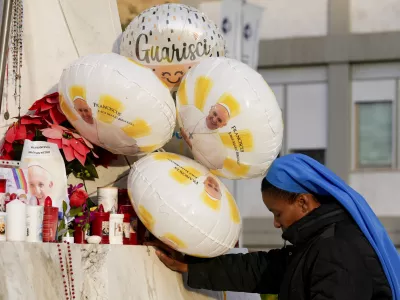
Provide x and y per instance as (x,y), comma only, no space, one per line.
(32,271)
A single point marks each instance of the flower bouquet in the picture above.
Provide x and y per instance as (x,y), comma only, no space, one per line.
(46,122)
(80,215)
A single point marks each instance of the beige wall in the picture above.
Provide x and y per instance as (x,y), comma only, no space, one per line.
(282,19)
(48,49)
(374,16)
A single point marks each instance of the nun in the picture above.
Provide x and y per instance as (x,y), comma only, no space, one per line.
(338,247)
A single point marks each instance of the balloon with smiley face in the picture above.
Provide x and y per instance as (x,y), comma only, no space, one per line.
(230,118)
(170,39)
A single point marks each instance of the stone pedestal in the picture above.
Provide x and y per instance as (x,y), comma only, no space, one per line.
(32,271)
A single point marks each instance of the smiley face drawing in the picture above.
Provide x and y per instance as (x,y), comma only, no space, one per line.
(168,77)
(171,74)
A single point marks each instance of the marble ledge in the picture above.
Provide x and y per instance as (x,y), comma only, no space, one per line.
(32,271)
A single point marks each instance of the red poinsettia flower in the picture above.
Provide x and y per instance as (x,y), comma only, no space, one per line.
(16,132)
(31,119)
(40,113)
(78,198)
(49,109)
(45,116)
(73,145)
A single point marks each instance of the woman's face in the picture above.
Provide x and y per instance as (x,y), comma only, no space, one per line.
(286,213)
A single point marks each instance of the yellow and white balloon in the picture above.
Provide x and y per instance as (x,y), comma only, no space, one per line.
(170,39)
(117,104)
(184,205)
(230,118)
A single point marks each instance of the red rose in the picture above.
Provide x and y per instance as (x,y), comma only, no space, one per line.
(78,198)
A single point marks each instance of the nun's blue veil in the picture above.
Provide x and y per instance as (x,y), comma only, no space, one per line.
(299,173)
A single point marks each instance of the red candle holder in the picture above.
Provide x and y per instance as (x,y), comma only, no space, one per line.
(3,184)
(123,198)
(101,225)
(79,235)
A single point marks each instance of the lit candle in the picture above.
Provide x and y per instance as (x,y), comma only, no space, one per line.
(108,197)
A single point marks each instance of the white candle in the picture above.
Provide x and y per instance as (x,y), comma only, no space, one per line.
(108,196)
(67,238)
(16,221)
(34,223)
(3,218)
(2,202)
(116,228)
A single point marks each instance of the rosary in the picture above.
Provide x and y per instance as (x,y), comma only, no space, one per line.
(16,51)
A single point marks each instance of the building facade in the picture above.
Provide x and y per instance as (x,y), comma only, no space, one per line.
(334,66)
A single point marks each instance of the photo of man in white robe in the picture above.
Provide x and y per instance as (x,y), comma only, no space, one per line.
(102,134)
(40,183)
(201,133)
(212,188)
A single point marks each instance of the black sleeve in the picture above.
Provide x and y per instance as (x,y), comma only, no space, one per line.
(257,272)
(338,272)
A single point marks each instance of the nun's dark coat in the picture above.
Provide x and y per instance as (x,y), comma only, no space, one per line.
(330,259)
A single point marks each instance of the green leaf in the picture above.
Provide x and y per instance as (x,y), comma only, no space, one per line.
(90,204)
(62,232)
(17,147)
(89,160)
(65,206)
(92,171)
(75,167)
(38,133)
(75,211)
(269,297)
(86,227)
(61,227)
(87,172)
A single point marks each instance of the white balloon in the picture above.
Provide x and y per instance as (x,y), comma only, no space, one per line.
(117,104)
(230,118)
(184,205)
(170,39)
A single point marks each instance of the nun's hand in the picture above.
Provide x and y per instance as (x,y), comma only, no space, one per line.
(171,258)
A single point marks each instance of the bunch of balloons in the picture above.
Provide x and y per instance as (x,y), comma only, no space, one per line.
(173,87)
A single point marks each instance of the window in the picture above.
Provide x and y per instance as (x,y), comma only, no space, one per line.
(374,134)
(317,154)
